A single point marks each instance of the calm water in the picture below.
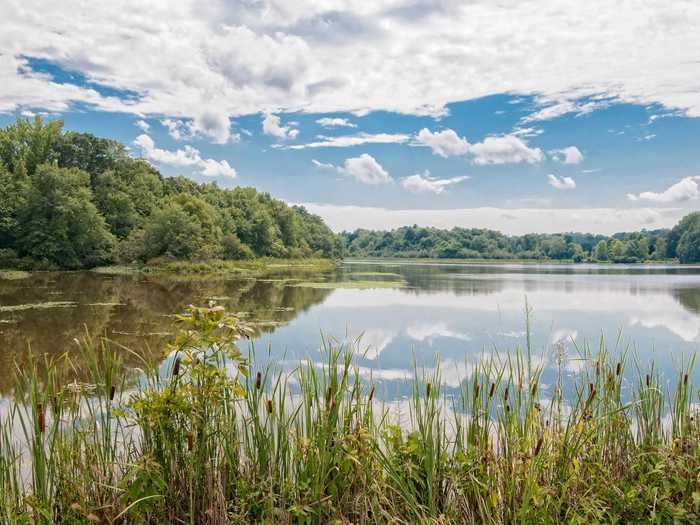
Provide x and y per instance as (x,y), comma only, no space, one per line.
(455,310)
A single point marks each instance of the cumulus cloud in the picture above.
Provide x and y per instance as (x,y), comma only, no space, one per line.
(187,156)
(504,149)
(215,127)
(243,58)
(561,183)
(272,126)
(568,155)
(425,183)
(364,169)
(328,122)
(142,124)
(684,190)
(346,141)
(445,143)
(492,150)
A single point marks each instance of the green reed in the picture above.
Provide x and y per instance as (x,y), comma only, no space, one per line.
(205,437)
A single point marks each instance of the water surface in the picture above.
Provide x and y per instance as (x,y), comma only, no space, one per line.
(456,311)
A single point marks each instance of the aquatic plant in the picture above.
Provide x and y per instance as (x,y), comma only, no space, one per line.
(206,437)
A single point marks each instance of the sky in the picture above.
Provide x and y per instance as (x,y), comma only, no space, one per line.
(516,115)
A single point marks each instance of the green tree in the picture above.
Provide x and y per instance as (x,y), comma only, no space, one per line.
(60,224)
(601,251)
(689,245)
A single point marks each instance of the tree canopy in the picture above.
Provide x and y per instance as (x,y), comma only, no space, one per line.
(73,200)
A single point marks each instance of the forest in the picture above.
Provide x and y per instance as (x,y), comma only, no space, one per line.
(72,200)
(682,242)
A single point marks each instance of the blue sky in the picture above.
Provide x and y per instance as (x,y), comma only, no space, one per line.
(564,118)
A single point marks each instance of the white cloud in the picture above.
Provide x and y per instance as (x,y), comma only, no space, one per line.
(187,156)
(358,139)
(513,221)
(364,169)
(426,184)
(445,143)
(145,126)
(684,190)
(242,58)
(207,124)
(504,149)
(561,183)
(568,155)
(492,150)
(327,122)
(271,126)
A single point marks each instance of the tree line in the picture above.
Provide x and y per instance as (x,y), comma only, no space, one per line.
(681,242)
(73,200)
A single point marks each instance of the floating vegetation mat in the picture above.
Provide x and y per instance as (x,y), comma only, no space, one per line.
(13,275)
(38,306)
(352,284)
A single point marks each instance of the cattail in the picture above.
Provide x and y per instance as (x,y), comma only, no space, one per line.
(269,406)
(477,391)
(176,367)
(507,409)
(685,380)
(590,388)
(533,391)
(491,390)
(41,417)
(591,396)
(505,394)
(190,441)
(112,391)
(538,446)
(428,388)
(329,392)
(597,368)
(618,369)
(648,380)
(258,381)
(371,393)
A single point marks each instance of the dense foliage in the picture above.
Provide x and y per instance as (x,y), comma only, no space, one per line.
(682,242)
(73,200)
(186,442)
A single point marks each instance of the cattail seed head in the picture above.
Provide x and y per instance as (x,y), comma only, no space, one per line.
(258,381)
(505,394)
(492,389)
(590,388)
(648,380)
(538,446)
(685,379)
(597,369)
(477,391)
(190,441)
(41,417)
(371,393)
(507,408)
(533,391)
(112,392)
(329,392)
(269,406)
(618,369)
(176,367)
(428,388)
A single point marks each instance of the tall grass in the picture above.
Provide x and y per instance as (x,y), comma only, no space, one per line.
(205,437)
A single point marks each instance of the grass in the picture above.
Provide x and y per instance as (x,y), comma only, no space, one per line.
(187,443)
(13,275)
(254,267)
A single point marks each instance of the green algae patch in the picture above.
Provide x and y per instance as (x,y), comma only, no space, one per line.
(38,306)
(13,275)
(361,285)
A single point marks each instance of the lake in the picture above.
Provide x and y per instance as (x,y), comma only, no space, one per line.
(422,309)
